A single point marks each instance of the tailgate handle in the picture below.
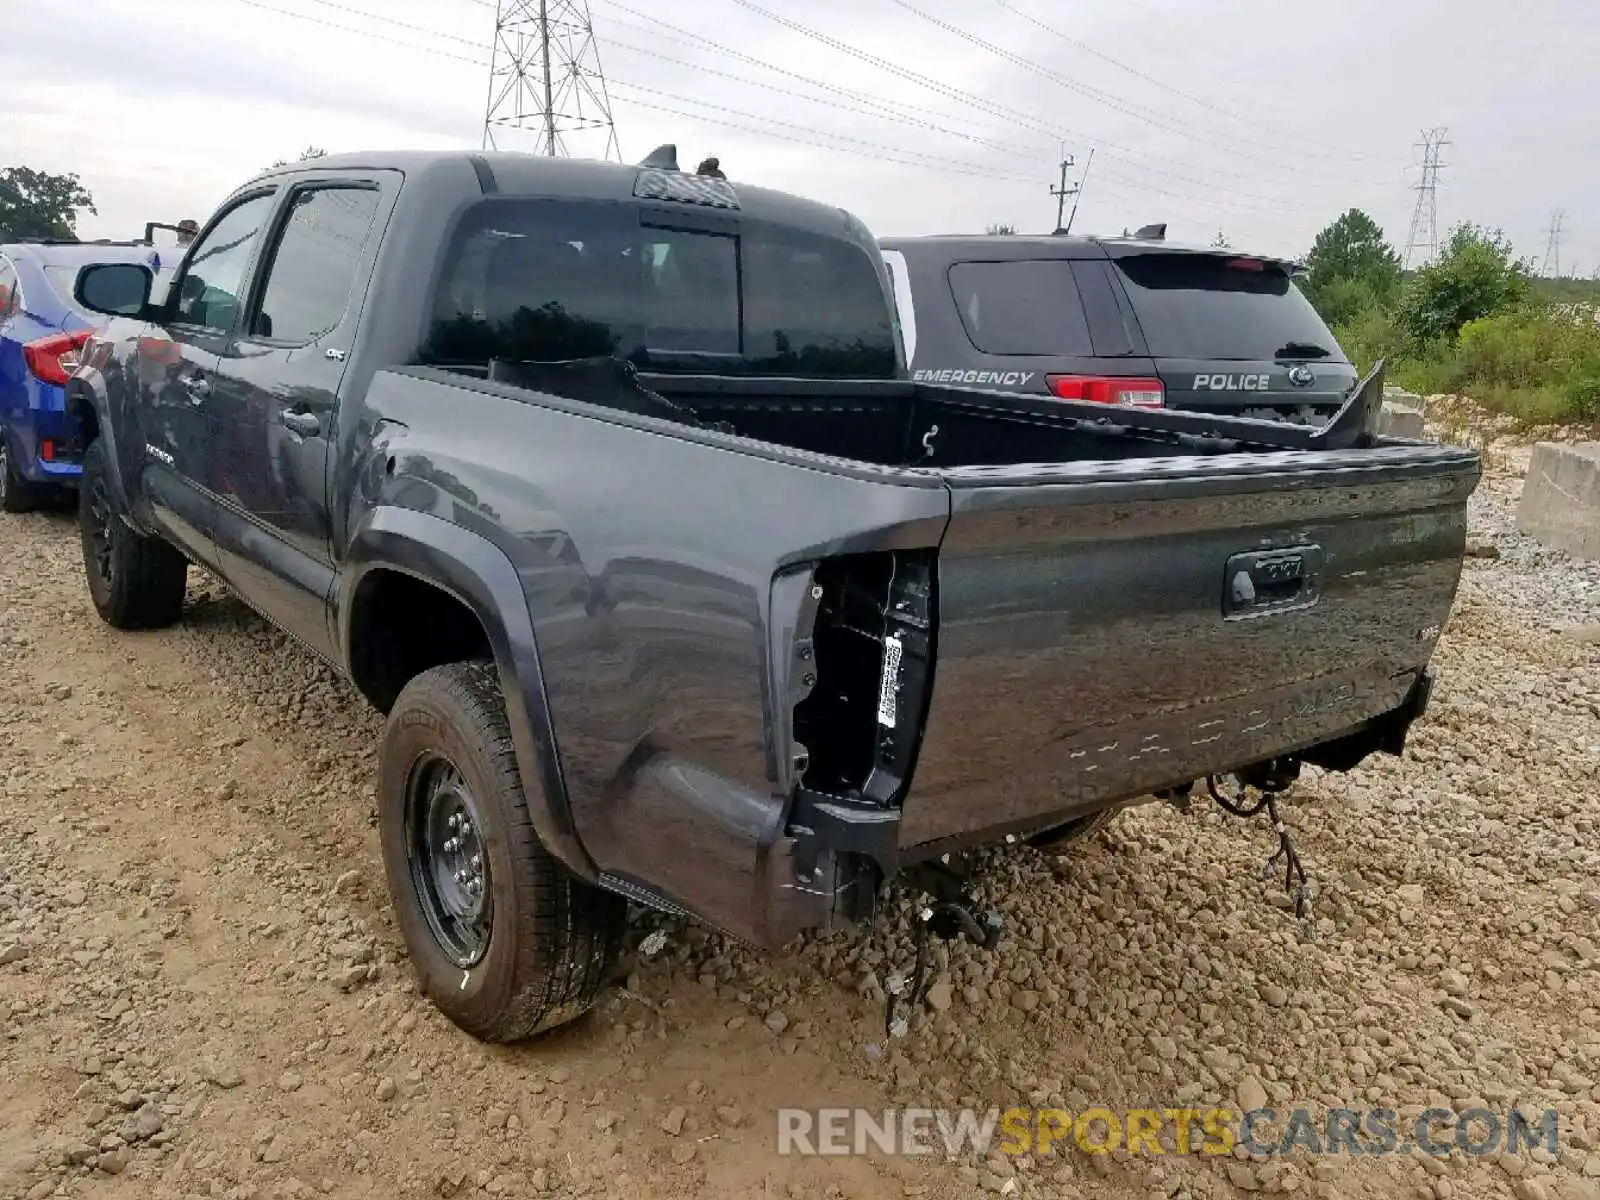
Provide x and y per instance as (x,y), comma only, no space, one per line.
(1265,581)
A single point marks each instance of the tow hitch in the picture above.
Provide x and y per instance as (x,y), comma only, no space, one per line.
(1271,780)
(945,910)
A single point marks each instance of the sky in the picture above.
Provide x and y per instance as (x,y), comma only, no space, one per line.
(1257,120)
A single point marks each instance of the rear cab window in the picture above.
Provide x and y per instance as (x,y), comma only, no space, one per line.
(536,280)
(1209,306)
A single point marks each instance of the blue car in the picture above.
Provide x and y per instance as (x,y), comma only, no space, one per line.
(41,332)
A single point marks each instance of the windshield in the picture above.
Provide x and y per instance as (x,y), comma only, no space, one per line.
(1208,306)
(550,280)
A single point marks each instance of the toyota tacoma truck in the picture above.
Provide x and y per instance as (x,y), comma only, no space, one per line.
(608,484)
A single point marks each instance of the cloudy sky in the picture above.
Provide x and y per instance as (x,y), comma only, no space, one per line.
(1258,119)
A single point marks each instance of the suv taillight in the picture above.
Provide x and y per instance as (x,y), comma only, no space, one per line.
(1101,389)
(53,359)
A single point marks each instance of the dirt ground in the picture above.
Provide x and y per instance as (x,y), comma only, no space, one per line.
(202,992)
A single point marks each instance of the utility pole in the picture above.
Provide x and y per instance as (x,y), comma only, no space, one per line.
(544,74)
(1552,246)
(1424,232)
(1061,193)
(1077,192)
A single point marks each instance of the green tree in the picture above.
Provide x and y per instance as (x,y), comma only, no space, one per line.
(993,229)
(38,204)
(1221,241)
(1351,267)
(1475,276)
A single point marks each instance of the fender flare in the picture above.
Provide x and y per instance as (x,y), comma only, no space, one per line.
(479,574)
(80,391)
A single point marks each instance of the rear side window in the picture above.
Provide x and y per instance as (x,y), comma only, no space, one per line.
(549,280)
(1028,307)
(1208,306)
(313,268)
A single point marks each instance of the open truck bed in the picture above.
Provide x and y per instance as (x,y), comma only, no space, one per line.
(922,619)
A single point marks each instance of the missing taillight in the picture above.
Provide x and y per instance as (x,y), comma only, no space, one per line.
(871,645)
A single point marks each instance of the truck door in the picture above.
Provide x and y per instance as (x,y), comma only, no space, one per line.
(177,362)
(277,384)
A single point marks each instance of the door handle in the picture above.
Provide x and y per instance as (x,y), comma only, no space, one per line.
(303,423)
(198,387)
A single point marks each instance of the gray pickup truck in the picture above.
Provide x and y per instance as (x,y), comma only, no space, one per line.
(607,484)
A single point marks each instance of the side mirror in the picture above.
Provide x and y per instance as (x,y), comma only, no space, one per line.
(115,289)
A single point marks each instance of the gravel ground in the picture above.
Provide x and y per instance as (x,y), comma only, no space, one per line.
(202,992)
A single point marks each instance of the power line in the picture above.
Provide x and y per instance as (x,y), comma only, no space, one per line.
(1014,116)
(1148,116)
(1299,142)
(1552,246)
(326,24)
(1424,232)
(544,73)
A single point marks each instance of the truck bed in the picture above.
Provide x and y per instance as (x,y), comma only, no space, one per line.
(1085,635)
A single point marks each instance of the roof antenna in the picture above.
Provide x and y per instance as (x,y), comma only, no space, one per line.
(663,158)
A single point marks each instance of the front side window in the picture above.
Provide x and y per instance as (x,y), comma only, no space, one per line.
(313,269)
(208,293)
(550,280)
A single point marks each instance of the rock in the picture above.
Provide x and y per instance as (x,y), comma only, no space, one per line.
(1464,1009)
(559,1075)
(346,882)
(388,1089)
(12,952)
(289,1082)
(1454,983)
(673,1122)
(1531,1189)
(941,995)
(351,977)
(1243,1176)
(682,1153)
(1275,995)
(145,1123)
(73,896)
(1027,1000)
(1251,1094)
(114,1163)
(776,1021)
(222,1075)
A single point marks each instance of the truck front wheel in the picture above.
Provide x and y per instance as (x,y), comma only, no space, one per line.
(136,582)
(506,942)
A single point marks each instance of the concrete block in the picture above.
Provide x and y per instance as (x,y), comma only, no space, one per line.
(1400,421)
(1561,498)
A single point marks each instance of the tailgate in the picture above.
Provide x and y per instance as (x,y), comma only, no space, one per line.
(1106,629)
(1267,389)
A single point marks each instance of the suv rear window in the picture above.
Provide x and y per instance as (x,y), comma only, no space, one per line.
(550,280)
(1025,307)
(1199,306)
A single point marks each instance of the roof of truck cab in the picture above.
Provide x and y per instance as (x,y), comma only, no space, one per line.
(1007,246)
(539,175)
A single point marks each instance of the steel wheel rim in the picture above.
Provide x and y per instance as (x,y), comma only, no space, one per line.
(449,859)
(100,531)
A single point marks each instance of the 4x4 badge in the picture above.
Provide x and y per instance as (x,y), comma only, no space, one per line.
(1301,375)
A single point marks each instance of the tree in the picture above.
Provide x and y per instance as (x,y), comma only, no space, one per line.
(1475,276)
(996,229)
(1221,241)
(308,153)
(1351,267)
(37,204)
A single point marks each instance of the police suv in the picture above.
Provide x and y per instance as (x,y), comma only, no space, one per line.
(1132,321)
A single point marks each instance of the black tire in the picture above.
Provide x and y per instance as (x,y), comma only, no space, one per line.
(1061,836)
(17,495)
(136,582)
(551,939)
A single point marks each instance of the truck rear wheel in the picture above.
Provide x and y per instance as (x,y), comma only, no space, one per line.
(136,582)
(506,941)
